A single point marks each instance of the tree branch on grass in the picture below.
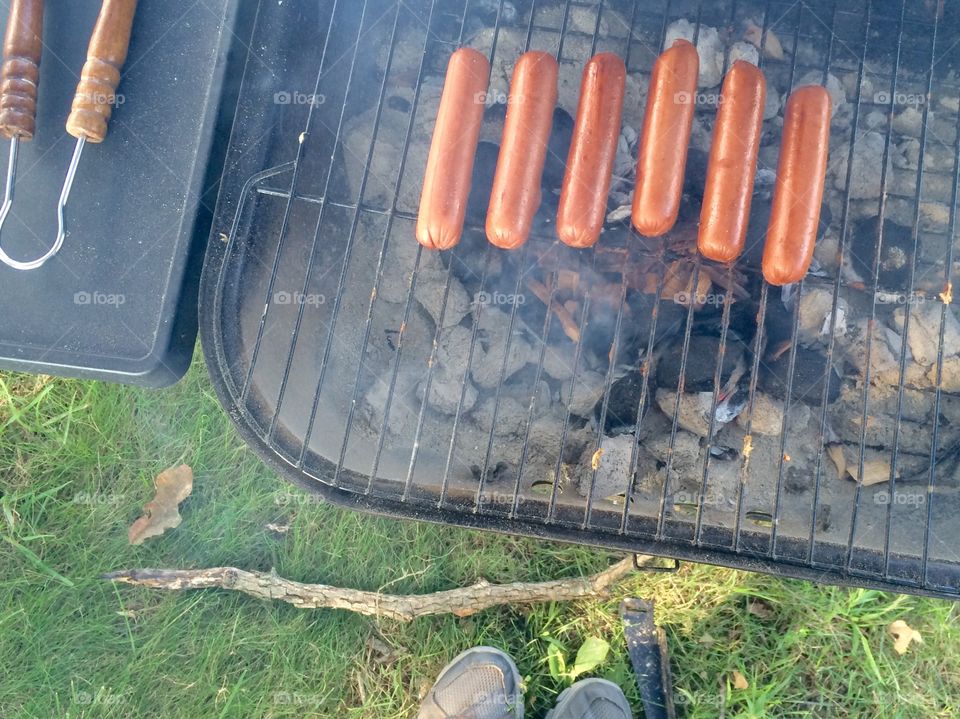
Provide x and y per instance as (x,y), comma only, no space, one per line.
(404,608)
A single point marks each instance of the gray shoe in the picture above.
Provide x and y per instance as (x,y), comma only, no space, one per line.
(591,699)
(481,683)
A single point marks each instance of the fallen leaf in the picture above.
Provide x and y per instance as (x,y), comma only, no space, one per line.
(740,681)
(875,471)
(754,35)
(903,636)
(160,514)
(759,609)
(592,653)
(835,451)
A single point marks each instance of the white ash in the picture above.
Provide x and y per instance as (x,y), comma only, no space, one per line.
(849,81)
(582,20)
(693,413)
(449,373)
(875,120)
(815,316)
(767,415)
(635,92)
(493,335)
(613,467)
(556,363)
(923,334)
(838,96)
(866,178)
(511,416)
(587,389)
(432,280)
(909,122)
(743,51)
(771,107)
(710,48)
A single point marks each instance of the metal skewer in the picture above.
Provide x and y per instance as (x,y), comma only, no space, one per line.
(92,105)
(19,77)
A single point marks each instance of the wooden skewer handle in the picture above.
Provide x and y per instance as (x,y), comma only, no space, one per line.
(96,92)
(20,72)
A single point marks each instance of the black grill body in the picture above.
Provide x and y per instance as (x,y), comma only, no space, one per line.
(662,404)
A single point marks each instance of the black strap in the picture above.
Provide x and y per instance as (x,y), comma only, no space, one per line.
(647,647)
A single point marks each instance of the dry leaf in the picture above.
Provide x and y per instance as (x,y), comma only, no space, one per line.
(740,681)
(835,451)
(754,35)
(160,514)
(903,636)
(875,471)
(278,528)
(759,609)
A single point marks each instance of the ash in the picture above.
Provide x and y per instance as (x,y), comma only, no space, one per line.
(547,373)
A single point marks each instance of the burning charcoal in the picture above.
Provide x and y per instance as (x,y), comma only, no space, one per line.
(815,316)
(494,473)
(767,415)
(484,165)
(557,150)
(612,464)
(693,413)
(696,173)
(624,404)
(702,357)
(809,369)
(709,46)
(896,253)
(587,391)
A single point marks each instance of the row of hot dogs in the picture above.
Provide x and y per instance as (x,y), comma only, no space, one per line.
(731,169)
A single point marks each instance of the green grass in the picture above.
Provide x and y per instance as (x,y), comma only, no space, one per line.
(77,460)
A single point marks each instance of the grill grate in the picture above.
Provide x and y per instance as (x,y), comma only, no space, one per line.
(442,387)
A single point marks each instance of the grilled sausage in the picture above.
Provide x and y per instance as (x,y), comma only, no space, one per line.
(664,141)
(586,183)
(446,183)
(733,163)
(798,193)
(523,150)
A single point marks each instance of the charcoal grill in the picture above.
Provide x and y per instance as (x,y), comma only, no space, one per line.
(448,386)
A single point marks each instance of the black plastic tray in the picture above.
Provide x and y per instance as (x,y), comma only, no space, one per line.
(119,301)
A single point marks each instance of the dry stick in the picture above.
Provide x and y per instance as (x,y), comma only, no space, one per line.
(461,602)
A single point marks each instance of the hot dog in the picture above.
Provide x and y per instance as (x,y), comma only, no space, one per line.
(586,183)
(664,140)
(733,163)
(523,150)
(798,193)
(446,182)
